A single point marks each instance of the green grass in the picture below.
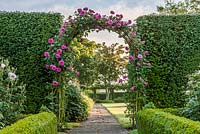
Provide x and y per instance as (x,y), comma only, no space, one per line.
(117,110)
(70,125)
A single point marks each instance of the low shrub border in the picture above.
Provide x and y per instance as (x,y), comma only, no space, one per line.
(42,123)
(156,121)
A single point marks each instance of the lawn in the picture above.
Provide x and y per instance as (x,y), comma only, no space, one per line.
(117,110)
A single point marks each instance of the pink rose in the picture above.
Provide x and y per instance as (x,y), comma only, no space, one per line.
(59,51)
(140,56)
(61,62)
(57,56)
(50,41)
(146,83)
(77,73)
(131,58)
(47,66)
(55,83)
(112,12)
(68,68)
(132,88)
(120,81)
(64,47)
(58,69)
(146,53)
(53,67)
(46,54)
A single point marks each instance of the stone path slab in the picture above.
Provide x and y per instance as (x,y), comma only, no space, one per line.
(100,121)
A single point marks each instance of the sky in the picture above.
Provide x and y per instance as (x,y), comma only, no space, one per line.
(131,9)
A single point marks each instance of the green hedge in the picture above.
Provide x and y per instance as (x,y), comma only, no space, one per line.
(23,39)
(156,121)
(174,46)
(42,123)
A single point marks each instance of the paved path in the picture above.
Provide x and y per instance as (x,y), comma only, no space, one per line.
(100,121)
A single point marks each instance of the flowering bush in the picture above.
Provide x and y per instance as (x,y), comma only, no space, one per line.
(11,94)
(60,55)
(192,109)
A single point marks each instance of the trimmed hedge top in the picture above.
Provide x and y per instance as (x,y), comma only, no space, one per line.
(42,123)
(23,39)
(155,121)
(174,46)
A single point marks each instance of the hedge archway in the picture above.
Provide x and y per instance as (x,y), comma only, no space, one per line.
(60,54)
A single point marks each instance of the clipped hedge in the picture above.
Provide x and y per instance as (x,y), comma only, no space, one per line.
(23,39)
(174,46)
(156,121)
(42,123)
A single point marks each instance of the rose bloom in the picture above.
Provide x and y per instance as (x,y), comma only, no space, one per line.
(132,88)
(50,41)
(140,56)
(55,83)
(61,62)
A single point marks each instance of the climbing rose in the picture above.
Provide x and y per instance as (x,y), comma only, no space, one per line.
(119,25)
(53,67)
(109,22)
(149,64)
(126,48)
(131,58)
(55,83)
(61,62)
(134,34)
(132,88)
(47,66)
(112,12)
(146,83)
(97,16)
(58,69)
(146,53)
(59,51)
(129,21)
(120,81)
(64,46)
(125,77)
(46,54)
(85,8)
(138,64)
(57,56)
(91,11)
(50,41)
(68,68)
(140,56)
(77,73)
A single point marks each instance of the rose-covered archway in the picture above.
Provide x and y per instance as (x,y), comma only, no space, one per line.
(60,55)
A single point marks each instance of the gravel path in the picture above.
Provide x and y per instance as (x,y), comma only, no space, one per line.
(100,121)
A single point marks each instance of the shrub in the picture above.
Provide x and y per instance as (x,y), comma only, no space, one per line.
(119,99)
(104,101)
(42,123)
(155,121)
(192,108)
(76,106)
(12,95)
(173,43)
(89,101)
(23,40)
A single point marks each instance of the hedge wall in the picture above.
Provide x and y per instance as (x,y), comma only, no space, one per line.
(42,123)
(174,45)
(155,121)
(23,39)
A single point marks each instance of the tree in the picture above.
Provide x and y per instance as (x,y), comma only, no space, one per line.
(182,7)
(110,65)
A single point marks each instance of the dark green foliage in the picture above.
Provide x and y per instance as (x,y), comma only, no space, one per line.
(42,123)
(173,43)
(76,107)
(155,121)
(23,39)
